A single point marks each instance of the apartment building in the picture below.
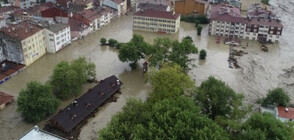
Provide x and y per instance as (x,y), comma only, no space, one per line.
(226,20)
(23,43)
(156,21)
(23,4)
(57,37)
(119,5)
(268,30)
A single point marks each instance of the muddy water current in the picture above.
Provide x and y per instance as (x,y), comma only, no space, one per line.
(259,72)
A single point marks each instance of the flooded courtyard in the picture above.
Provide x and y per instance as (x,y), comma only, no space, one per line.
(259,72)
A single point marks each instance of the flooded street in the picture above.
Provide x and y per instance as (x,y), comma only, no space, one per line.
(259,72)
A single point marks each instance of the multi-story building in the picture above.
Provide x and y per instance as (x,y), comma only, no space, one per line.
(156,21)
(23,43)
(119,5)
(23,4)
(2,22)
(57,37)
(185,7)
(268,30)
(225,20)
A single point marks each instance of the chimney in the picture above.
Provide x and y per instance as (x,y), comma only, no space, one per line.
(117,82)
(75,102)
(36,128)
(286,109)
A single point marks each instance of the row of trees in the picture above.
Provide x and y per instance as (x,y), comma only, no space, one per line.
(162,50)
(37,101)
(177,109)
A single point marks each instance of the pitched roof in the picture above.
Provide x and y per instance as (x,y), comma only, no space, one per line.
(118,1)
(73,114)
(4,98)
(265,22)
(53,12)
(157,14)
(286,114)
(21,30)
(157,7)
(8,8)
(91,14)
(56,27)
(227,13)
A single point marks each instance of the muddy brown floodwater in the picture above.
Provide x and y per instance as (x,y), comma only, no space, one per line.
(259,72)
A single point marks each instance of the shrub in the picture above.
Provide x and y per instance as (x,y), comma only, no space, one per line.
(202,54)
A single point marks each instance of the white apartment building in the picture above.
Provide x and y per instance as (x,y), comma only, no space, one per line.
(57,37)
(156,21)
(226,21)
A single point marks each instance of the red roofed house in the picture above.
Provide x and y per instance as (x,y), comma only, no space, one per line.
(284,114)
(156,21)
(78,28)
(55,14)
(5,99)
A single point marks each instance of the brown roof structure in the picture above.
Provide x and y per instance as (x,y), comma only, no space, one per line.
(72,115)
(265,22)
(21,30)
(10,69)
(286,112)
(226,13)
(157,14)
(5,98)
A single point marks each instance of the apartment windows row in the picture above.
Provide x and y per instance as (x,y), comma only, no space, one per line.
(154,19)
(151,28)
(155,24)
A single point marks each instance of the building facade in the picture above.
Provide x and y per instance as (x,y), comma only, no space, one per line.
(23,43)
(156,21)
(119,5)
(186,7)
(2,22)
(57,37)
(225,20)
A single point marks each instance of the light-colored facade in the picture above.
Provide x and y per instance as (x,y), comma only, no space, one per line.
(226,21)
(23,43)
(156,21)
(119,5)
(57,37)
(2,23)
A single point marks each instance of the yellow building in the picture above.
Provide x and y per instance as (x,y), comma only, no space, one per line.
(23,43)
(156,21)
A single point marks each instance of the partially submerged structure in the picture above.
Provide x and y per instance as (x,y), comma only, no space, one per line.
(37,134)
(5,99)
(71,116)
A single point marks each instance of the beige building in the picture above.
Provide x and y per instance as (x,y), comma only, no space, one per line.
(23,43)
(156,21)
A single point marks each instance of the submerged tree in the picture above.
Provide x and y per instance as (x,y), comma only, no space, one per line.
(276,97)
(103,41)
(199,29)
(202,54)
(36,102)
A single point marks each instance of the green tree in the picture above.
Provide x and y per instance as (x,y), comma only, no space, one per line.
(218,99)
(265,2)
(112,42)
(202,54)
(276,97)
(199,29)
(189,38)
(160,51)
(180,53)
(266,127)
(202,19)
(169,82)
(197,22)
(103,41)
(177,118)
(65,81)
(36,102)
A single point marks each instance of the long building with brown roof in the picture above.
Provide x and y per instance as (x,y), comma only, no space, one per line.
(156,21)
(71,116)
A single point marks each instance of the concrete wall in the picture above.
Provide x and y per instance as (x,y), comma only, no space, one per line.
(186,7)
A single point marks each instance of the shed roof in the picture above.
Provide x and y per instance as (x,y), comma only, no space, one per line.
(5,98)
(286,114)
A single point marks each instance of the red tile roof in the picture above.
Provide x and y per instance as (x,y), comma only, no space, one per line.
(8,8)
(157,14)
(53,12)
(21,30)
(226,13)
(5,98)
(82,2)
(91,14)
(286,114)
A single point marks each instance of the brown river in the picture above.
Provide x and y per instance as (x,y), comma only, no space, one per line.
(259,72)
